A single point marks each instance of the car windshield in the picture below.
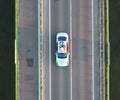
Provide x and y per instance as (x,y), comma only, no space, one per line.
(62,55)
(62,39)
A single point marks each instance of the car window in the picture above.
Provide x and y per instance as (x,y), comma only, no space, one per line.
(61,38)
(62,55)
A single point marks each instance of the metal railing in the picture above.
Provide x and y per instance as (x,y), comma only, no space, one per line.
(40,47)
(102,51)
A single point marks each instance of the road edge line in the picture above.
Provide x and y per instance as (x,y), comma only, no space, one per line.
(71,45)
(49,50)
(92,53)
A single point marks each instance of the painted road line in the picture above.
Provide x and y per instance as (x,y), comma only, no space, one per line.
(92,53)
(49,50)
(71,49)
(16,51)
(39,83)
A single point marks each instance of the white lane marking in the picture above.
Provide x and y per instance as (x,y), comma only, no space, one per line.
(61,85)
(39,83)
(71,48)
(49,50)
(92,53)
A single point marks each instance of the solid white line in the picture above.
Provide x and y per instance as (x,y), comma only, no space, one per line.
(15,45)
(71,48)
(49,50)
(39,83)
(92,53)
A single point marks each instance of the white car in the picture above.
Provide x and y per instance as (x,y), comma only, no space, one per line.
(62,54)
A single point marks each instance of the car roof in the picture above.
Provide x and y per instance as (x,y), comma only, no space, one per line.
(62,46)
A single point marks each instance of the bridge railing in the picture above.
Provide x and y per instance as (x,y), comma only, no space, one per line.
(102,50)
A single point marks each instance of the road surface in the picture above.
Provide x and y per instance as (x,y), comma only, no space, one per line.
(80,80)
(28,41)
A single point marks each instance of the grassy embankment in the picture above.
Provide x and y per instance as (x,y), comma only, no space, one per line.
(115,49)
(7,66)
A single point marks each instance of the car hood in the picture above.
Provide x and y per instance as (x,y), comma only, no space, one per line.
(62,62)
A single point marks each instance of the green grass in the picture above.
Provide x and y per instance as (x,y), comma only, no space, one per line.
(7,35)
(115,49)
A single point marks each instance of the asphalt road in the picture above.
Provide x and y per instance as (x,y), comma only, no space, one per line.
(74,82)
(28,41)
(84,36)
(82,50)
(60,77)
(85,50)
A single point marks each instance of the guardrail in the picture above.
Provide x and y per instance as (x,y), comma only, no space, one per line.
(40,47)
(107,51)
(102,51)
